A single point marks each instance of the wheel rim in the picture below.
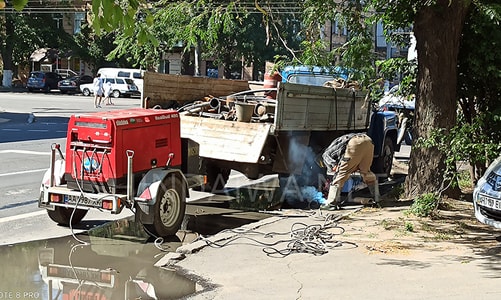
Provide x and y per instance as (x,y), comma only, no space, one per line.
(170,207)
(116,94)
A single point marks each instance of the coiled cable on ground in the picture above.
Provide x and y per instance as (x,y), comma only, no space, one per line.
(315,239)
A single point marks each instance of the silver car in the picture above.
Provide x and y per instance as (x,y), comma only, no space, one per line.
(120,87)
(487,196)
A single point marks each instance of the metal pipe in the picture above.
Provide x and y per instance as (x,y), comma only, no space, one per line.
(130,175)
(52,165)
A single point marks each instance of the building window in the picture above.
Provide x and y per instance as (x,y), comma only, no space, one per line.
(59,20)
(79,20)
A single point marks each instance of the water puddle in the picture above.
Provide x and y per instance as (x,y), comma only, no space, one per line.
(112,261)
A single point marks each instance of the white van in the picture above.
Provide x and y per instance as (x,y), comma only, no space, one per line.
(134,74)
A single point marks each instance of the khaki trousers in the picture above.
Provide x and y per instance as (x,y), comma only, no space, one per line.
(357,157)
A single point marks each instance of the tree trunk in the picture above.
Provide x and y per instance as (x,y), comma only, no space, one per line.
(438,32)
(7,51)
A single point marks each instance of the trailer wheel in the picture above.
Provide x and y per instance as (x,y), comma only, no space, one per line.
(62,215)
(383,164)
(169,208)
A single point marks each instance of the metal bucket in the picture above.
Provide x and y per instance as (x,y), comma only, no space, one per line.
(244,111)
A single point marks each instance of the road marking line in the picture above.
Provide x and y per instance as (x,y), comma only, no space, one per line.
(38,130)
(25,152)
(23,216)
(22,172)
(6,129)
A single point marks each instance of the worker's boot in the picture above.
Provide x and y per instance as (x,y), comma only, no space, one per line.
(333,198)
(374,190)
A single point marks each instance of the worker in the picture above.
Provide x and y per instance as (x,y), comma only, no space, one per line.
(345,155)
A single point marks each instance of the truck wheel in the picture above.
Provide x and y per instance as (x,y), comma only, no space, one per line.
(383,164)
(169,208)
(86,92)
(62,215)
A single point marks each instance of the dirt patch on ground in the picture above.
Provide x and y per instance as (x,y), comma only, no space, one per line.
(391,229)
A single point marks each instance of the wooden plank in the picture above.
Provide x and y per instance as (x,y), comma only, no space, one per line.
(226,140)
(165,88)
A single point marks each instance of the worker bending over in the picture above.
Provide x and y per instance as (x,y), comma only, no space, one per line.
(345,155)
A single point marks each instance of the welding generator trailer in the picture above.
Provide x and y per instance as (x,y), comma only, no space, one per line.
(132,159)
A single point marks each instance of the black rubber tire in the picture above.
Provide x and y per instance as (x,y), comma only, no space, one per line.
(169,208)
(86,92)
(382,165)
(62,215)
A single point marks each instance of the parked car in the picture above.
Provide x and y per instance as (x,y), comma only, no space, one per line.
(72,84)
(487,196)
(43,81)
(119,87)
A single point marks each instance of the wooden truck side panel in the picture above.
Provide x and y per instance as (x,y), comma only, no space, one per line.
(226,140)
(163,89)
(313,108)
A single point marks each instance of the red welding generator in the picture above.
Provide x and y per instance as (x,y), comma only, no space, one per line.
(99,146)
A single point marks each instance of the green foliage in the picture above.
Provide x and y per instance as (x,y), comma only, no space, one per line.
(400,68)
(26,33)
(465,142)
(464,180)
(409,227)
(95,49)
(424,205)
(19,4)
(479,78)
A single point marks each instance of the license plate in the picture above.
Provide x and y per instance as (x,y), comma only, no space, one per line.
(71,199)
(489,202)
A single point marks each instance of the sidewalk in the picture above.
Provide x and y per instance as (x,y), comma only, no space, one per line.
(368,255)
(12,89)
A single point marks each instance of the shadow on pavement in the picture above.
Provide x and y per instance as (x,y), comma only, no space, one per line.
(15,127)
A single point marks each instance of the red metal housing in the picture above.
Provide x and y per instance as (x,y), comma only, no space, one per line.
(99,144)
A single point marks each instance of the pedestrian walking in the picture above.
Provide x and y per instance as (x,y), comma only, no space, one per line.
(345,155)
(107,93)
(98,90)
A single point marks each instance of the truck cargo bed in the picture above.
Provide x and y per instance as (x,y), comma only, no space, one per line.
(313,108)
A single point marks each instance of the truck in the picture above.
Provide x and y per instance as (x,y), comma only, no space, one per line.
(147,159)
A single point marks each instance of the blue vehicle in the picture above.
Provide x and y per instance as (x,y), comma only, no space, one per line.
(43,81)
(313,75)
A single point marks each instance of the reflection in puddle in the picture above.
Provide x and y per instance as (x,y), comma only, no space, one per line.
(112,261)
(116,262)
